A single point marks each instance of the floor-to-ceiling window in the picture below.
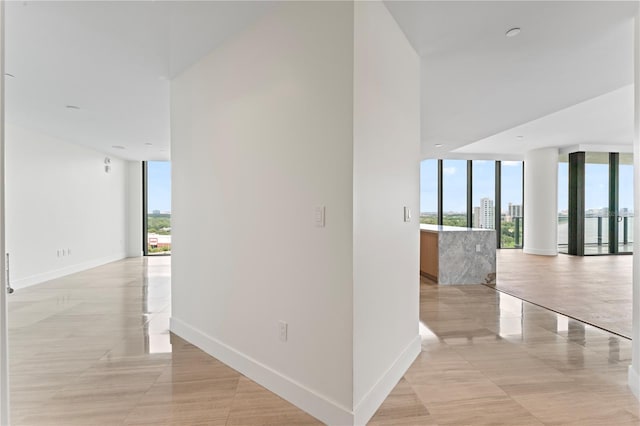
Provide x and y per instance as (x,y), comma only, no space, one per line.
(475,193)
(157,207)
(512,214)
(454,193)
(483,194)
(625,211)
(599,210)
(563,206)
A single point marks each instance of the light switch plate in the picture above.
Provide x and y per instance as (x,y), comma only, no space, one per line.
(407,214)
(320,216)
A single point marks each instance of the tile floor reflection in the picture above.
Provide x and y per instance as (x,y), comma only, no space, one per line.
(94,348)
(597,290)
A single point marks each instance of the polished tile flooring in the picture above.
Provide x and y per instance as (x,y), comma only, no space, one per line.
(94,348)
(593,289)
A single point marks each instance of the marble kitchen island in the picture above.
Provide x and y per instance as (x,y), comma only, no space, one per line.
(454,255)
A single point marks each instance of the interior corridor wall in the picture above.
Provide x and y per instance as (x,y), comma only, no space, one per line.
(262,132)
(64,214)
(386,179)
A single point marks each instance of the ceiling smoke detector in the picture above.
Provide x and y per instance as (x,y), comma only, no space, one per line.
(512,32)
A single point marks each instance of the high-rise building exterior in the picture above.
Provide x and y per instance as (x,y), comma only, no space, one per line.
(487,214)
(476,217)
(515,210)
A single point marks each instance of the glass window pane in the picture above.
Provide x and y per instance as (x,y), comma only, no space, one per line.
(563,203)
(454,192)
(158,207)
(596,203)
(429,192)
(511,212)
(625,221)
(484,188)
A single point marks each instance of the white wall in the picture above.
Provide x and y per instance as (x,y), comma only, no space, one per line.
(4,334)
(58,197)
(634,368)
(261,135)
(541,202)
(134,209)
(386,178)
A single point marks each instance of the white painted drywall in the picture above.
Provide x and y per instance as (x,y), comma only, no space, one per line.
(634,368)
(541,202)
(134,209)
(4,326)
(261,135)
(58,197)
(386,178)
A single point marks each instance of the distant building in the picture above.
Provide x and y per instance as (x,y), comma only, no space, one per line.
(515,210)
(487,214)
(476,217)
(155,212)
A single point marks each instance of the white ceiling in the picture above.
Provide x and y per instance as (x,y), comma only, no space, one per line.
(112,59)
(478,83)
(480,89)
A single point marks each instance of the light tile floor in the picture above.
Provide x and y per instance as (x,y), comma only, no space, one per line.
(594,289)
(94,349)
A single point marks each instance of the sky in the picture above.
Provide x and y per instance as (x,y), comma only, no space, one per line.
(455,185)
(158,186)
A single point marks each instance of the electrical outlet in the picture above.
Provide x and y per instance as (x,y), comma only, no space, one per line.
(282,326)
(478,248)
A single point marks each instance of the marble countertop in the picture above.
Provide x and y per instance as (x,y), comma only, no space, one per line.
(445,228)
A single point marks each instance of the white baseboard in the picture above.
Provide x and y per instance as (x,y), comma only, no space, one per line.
(633,379)
(540,252)
(306,399)
(62,272)
(369,404)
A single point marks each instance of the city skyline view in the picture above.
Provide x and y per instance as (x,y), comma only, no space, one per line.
(483,181)
(455,184)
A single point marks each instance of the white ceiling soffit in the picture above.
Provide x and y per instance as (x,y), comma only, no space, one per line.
(601,122)
(476,82)
(114,61)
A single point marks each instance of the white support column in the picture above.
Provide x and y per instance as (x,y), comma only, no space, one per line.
(4,333)
(634,368)
(541,202)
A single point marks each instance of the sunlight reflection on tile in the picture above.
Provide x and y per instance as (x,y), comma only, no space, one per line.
(425,332)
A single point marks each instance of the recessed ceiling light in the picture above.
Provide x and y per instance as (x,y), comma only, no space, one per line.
(148,143)
(512,32)
(72,107)
(9,75)
(117,146)
(438,145)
